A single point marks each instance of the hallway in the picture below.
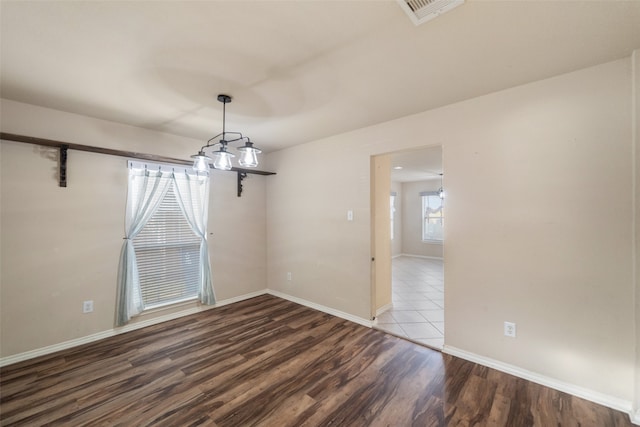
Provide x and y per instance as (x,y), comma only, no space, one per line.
(418,301)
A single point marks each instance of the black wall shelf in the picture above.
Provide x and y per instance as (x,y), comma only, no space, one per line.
(242,173)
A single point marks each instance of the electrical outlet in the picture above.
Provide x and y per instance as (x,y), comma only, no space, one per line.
(509,329)
(288,275)
(87,306)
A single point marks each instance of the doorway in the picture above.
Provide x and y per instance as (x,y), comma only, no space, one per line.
(414,243)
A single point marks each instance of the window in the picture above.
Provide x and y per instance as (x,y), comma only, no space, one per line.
(165,255)
(168,255)
(392,204)
(432,216)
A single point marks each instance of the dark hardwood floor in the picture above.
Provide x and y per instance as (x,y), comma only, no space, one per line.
(270,362)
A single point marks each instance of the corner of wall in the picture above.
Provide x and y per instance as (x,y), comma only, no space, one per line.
(635,132)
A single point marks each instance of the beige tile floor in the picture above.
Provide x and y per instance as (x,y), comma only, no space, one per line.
(418,301)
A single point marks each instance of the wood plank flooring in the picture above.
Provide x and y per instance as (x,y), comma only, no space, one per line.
(270,362)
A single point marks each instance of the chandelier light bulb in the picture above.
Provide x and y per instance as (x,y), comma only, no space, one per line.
(200,162)
(248,155)
(248,159)
(222,160)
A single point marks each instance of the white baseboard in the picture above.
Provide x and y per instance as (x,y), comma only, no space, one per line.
(116,331)
(635,417)
(328,310)
(593,396)
(384,308)
(237,299)
(439,258)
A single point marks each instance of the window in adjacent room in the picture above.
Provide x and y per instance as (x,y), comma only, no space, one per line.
(392,204)
(432,216)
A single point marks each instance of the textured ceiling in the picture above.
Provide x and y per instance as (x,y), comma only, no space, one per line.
(298,70)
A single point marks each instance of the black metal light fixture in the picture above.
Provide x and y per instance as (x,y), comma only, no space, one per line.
(441,189)
(221,158)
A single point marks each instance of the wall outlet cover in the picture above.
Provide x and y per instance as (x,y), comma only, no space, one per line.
(87,306)
(509,329)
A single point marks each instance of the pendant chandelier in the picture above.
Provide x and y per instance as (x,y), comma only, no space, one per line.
(221,158)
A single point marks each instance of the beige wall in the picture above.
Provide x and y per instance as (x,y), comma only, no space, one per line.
(396,243)
(550,250)
(60,246)
(308,232)
(412,243)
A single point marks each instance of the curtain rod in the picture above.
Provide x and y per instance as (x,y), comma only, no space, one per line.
(64,146)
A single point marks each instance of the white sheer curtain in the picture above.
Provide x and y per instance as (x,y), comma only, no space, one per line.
(146,190)
(192,190)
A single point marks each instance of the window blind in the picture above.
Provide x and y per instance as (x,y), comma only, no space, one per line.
(168,256)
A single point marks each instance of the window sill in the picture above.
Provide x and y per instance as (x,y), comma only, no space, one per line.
(433,242)
(169,305)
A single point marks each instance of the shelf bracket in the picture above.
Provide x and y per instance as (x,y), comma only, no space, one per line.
(62,178)
(241,177)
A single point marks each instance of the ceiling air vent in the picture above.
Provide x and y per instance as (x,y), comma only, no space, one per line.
(421,11)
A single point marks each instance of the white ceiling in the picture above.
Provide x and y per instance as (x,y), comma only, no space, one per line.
(417,165)
(298,70)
